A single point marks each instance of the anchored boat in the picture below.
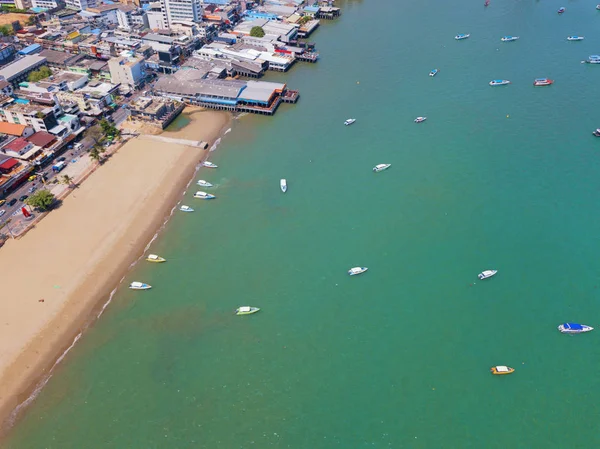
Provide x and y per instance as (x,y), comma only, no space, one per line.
(499,82)
(486,274)
(596,133)
(381,167)
(349,121)
(561,10)
(542,82)
(203,183)
(420,119)
(433,72)
(210,164)
(575,38)
(510,38)
(155,259)
(501,369)
(283,185)
(185,208)
(139,286)
(574,328)
(357,270)
(246,310)
(203,195)
(460,37)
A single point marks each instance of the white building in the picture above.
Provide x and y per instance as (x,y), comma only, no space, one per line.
(126,71)
(105,13)
(45,4)
(154,14)
(178,10)
(80,4)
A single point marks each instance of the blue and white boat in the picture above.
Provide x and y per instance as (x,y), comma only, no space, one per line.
(185,208)
(349,121)
(460,37)
(433,72)
(203,195)
(575,38)
(574,328)
(510,38)
(139,286)
(357,270)
(499,82)
(561,10)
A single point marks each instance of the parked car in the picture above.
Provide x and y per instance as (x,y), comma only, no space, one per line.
(31,178)
(2,202)
(12,202)
(2,212)
(60,159)
(32,189)
(23,198)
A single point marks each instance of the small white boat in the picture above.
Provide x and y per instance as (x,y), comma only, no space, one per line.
(575,38)
(487,274)
(433,72)
(139,286)
(283,185)
(155,259)
(420,119)
(185,208)
(203,195)
(210,164)
(510,38)
(246,310)
(499,82)
(203,183)
(574,328)
(381,167)
(460,37)
(357,270)
(349,121)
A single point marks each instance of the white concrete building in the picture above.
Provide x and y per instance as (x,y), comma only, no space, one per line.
(45,4)
(126,71)
(178,10)
(80,4)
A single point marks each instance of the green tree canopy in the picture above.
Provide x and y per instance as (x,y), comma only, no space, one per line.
(38,75)
(257,32)
(6,30)
(108,128)
(42,200)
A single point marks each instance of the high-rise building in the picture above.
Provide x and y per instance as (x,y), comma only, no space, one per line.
(80,4)
(178,10)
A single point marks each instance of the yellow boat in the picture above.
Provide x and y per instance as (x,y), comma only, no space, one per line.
(246,310)
(499,370)
(155,259)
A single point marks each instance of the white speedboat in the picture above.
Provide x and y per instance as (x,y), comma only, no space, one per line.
(499,82)
(185,208)
(349,121)
(574,328)
(203,195)
(210,164)
(575,38)
(460,37)
(139,286)
(420,119)
(283,185)
(246,310)
(487,274)
(357,270)
(155,259)
(381,167)
(433,72)
(203,183)
(510,38)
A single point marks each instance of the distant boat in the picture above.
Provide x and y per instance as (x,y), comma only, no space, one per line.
(283,185)
(154,258)
(246,310)
(574,328)
(510,38)
(420,119)
(460,37)
(593,57)
(349,121)
(381,167)
(210,164)
(433,72)
(575,38)
(542,82)
(598,7)
(487,3)
(592,61)
(357,270)
(597,133)
(186,209)
(203,195)
(561,10)
(501,369)
(203,183)
(139,286)
(499,82)
(487,274)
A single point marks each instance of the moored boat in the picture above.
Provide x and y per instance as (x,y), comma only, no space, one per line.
(460,37)
(210,164)
(139,286)
(283,185)
(203,183)
(185,208)
(542,82)
(598,7)
(357,270)
(203,195)
(420,119)
(593,61)
(349,121)
(509,38)
(499,82)
(574,328)
(575,38)
(487,3)
(561,10)
(433,72)
(381,167)
(596,133)
(487,274)
(501,369)
(155,259)
(246,310)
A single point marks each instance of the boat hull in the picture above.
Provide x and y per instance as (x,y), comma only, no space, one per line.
(498,371)
(378,168)
(357,270)
(487,274)
(577,329)
(283,185)
(157,260)
(252,310)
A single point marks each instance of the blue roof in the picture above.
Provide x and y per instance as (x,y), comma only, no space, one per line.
(33,48)
(573,326)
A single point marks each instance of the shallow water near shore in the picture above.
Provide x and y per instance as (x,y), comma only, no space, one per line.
(497,178)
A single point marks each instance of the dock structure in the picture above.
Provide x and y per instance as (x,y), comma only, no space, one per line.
(329,12)
(308,57)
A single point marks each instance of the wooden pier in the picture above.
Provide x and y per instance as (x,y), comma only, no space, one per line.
(329,12)
(308,57)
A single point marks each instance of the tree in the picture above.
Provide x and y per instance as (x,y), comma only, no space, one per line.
(42,200)
(67,180)
(95,133)
(38,75)
(257,32)
(304,20)
(32,20)
(96,153)
(109,128)
(6,30)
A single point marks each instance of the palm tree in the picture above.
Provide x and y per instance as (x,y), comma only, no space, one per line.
(66,179)
(95,154)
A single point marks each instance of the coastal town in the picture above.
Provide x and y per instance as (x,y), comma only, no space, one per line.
(79,78)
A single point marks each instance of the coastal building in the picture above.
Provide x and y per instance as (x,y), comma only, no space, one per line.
(40,118)
(127,71)
(13,129)
(5,88)
(285,32)
(79,5)
(20,69)
(156,110)
(59,59)
(105,13)
(19,148)
(44,4)
(130,17)
(177,10)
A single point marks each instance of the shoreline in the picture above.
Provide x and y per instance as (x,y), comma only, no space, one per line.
(24,375)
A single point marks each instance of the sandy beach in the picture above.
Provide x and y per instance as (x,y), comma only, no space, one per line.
(57,276)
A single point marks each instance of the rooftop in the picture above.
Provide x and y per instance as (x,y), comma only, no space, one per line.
(12,129)
(41,139)
(58,57)
(14,69)
(16,145)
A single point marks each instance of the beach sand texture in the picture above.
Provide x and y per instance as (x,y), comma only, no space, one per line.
(75,256)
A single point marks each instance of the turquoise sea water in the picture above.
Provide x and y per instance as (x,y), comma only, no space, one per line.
(503,178)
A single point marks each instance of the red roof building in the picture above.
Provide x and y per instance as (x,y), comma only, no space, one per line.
(42,139)
(8,165)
